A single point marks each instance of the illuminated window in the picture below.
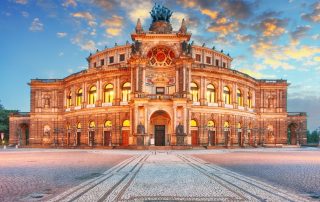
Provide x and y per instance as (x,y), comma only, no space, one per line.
(126,123)
(69,100)
(226,95)
(108,93)
(92,95)
(193,123)
(226,124)
(79,125)
(126,90)
(194,91)
(239,98)
(210,93)
(211,124)
(238,125)
(92,124)
(249,100)
(79,97)
(107,124)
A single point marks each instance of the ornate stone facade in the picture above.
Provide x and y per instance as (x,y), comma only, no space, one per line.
(161,90)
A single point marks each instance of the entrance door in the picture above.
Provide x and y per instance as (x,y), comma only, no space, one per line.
(91,138)
(78,138)
(194,134)
(125,138)
(107,138)
(213,138)
(159,133)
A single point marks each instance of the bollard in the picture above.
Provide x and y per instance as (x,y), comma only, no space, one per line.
(5,147)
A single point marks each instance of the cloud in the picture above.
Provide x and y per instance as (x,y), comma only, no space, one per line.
(61,34)
(317,58)
(256,74)
(25,14)
(106,4)
(87,16)
(238,9)
(271,27)
(114,21)
(197,3)
(300,32)
(211,13)
(140,9)
(36,25)
(314,15)
(244,38)
(68,3)
(113,31)
(22,2)
(223,27)
(316,37)
(84,44)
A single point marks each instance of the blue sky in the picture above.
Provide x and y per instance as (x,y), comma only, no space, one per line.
(269,39)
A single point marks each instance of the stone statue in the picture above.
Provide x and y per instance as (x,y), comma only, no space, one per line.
(136,47)
(179,130)
(184,47)
(140,129)
(160,13)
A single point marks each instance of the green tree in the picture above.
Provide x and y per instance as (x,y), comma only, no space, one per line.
(4,121)
(313,137)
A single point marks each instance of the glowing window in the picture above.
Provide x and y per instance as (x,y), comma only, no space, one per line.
(160,56)
(194,92)
(193,123)
(79,97)
(226,95)
(92,124)
(126,90)
(238,125)
(107,124)
(226,124)
(69,100)
(249,100)
(92,95)
(210,93)
(126,123)
(79,125)
(211,124)
(108,93)
(239,98)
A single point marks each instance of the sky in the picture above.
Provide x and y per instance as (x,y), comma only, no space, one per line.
(267,39)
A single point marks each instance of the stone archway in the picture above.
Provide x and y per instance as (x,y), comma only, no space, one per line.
(292,133)
(23,134)
(160,124)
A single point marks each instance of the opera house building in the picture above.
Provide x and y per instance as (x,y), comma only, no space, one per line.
(160,90)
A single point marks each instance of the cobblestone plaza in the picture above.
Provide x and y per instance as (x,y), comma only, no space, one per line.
(290,174)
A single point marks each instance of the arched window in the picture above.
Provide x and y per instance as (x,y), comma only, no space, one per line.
(226,95)
(92,124)
(126,90)
(79,97)
(211,94)
(211,124)
(79,125)
(194,91)
(92,95)
(239,98)
(69,100)
(249,100)
(108,93)
(226,124)
(126,123)
(193,123)
(238,125)
(107,124)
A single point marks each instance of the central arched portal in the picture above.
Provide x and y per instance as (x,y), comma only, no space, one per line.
(160,123)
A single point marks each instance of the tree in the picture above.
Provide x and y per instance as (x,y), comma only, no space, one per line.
(313,137)
(4,121)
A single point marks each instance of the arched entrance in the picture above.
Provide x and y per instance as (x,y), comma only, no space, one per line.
(292,133)
(125,132)
(23,134)
(160,123)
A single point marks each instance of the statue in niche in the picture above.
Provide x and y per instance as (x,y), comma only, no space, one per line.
(140,128)
(136,47)
(270,102)
(179,129)
(184,46)
(46,102)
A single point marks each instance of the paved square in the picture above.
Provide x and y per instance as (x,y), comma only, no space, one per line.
(147,176)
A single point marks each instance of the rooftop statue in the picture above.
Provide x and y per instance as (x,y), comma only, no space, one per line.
(160,13)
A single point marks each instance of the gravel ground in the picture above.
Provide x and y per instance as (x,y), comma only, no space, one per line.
(297,171)
(31,174)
